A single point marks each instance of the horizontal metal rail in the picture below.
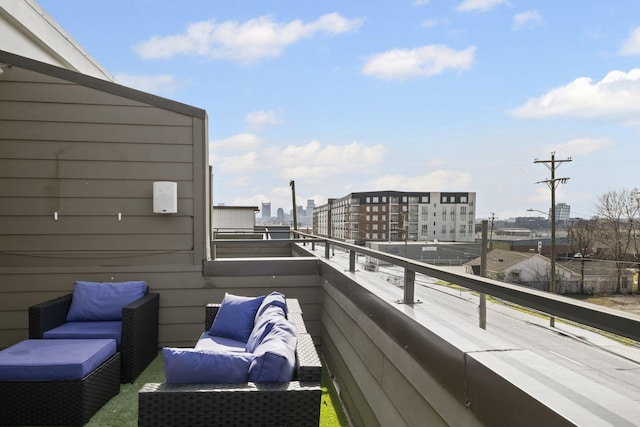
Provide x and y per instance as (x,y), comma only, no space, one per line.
(614,321)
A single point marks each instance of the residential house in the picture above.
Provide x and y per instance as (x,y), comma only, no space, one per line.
(524,268)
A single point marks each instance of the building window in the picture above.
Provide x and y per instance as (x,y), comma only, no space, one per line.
(376,199)
(463,199)
(375,209)
(368,199)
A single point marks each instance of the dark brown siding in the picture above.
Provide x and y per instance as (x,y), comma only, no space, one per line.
(90,150)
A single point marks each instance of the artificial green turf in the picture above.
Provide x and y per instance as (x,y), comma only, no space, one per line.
(122,410)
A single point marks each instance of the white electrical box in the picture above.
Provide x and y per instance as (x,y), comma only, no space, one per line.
(165,197)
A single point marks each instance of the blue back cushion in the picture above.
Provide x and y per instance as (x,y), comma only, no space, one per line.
(92,301)
(274,299)
(263,326)
(275,356)
(235,317)
(190,366)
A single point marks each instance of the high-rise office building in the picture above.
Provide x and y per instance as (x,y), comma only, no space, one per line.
(266,210)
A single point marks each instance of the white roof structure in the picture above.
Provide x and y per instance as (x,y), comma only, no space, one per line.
(27,30)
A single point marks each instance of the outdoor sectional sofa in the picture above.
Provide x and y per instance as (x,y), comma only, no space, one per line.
(124,311)
(193,397)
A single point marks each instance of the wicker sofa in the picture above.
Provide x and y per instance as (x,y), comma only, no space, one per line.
(294,403)
(139,336)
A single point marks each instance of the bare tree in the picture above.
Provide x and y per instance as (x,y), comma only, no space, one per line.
(618,212)
(581,235)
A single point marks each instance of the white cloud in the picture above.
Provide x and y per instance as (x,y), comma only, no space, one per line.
(423,61)
(447,180)
(479,5)
(631,46)
(615,97)
(420,2)
(240,164)
(581,146)
(245,42)
(333,159)
(315,167)
(240,142)
(261,119)
(526,19)
(158,84)
(429,23)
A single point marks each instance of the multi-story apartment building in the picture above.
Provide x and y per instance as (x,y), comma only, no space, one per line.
(397,216)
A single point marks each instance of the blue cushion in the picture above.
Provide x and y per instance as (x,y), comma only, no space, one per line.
(235,317)
(275,357)
(103,301)
(274,299)
(53,360)
(190,366)
(111,329)
(263,326)
(212,342)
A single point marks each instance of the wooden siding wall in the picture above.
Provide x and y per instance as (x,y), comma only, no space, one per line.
(90,150)
(379,382)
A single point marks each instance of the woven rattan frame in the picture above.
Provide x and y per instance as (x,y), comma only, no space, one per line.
(296,403)
(59,402)
(139,341)
(228,405)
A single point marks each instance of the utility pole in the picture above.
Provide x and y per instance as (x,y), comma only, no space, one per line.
(482,306)
(491,232)
(552,165)
(292,183)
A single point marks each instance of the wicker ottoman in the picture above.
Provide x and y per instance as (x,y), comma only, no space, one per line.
(57,382)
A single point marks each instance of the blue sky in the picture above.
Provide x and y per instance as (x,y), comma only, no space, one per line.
(430,95)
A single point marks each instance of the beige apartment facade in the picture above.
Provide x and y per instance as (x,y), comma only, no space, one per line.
(397,216)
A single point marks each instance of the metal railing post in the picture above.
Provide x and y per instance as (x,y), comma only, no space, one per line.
(409,286)
(326,249)
(352,261)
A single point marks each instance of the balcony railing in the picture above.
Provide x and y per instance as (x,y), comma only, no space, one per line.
(402,360)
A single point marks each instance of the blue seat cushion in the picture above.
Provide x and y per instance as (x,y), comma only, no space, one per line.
(191,366)
(53,360)
(87,330)
(275,356)
(214,343)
